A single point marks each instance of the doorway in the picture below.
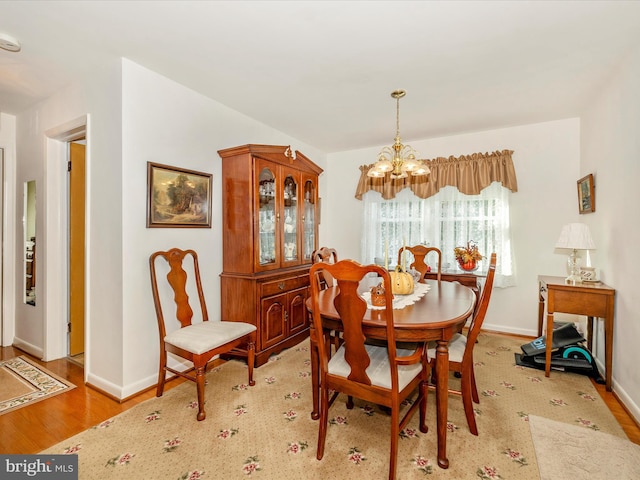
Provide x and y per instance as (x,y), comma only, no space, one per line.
(57,276)
(76,168)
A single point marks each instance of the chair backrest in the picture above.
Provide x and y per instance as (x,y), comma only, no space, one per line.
(326,255)
(419,263)
(351,308)
(481,311)
(177,279)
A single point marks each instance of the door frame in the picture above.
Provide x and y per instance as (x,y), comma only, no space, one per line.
(57,238)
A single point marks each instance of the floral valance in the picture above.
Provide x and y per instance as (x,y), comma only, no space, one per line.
(468,173)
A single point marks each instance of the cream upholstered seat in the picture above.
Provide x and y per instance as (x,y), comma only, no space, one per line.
(202,337)
(461,351)
(196,342)
(379,372)
(382,375)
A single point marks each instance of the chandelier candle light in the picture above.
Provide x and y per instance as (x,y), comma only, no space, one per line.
(575,236)
(398,159)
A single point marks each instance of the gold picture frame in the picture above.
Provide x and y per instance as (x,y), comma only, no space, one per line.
(177,197)
(586,195)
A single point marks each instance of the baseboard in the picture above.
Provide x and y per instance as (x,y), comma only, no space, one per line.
(121,393)
(29,348)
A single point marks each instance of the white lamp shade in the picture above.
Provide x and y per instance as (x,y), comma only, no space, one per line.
(576,236)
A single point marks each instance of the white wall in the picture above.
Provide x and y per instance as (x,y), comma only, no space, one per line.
(9,284)
(546,158)
(611,151)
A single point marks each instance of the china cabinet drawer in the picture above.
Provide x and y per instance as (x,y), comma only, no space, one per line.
(284,285)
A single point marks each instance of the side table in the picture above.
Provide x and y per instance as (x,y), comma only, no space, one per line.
(467,279)
(589,299)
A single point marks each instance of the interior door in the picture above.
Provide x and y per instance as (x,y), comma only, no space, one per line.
(76,247)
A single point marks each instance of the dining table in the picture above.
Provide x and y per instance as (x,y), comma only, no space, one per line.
(436,316)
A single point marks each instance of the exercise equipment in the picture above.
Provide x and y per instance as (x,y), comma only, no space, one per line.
(568,352)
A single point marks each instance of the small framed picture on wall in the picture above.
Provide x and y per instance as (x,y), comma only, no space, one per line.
(586,195)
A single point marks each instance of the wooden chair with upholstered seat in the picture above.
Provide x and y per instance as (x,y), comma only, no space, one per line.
(461,352)
(383,375)
(419,253)
(196,342)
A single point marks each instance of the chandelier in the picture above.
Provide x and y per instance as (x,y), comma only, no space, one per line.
(398,159)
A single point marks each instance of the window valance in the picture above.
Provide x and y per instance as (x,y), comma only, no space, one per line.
(468,173)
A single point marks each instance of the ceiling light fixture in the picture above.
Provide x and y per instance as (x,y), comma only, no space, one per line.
(398,159)
(9,43)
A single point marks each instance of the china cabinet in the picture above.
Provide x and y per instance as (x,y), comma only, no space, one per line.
(270,229)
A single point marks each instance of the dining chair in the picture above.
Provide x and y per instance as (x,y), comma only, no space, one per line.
(327,255)
(461,352)
(419,262)
(383,375)
(197,342)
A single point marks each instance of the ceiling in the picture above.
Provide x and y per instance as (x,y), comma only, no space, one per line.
(323,71)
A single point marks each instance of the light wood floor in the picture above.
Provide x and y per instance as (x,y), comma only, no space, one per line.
(36,427)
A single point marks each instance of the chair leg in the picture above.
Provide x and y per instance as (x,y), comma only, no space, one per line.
(395,433)
(322,425)
(474,388)
(162,374)
(467,401)
(200,389)
(424,388)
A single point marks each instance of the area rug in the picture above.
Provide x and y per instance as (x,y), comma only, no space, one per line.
(23,382)
(266,431)
(585,452)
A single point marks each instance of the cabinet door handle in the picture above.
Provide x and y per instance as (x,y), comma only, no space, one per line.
(281,285)
(286,316)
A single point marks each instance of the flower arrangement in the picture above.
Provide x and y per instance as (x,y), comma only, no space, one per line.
(467,256)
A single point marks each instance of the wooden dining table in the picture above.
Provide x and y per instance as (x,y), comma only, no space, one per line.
(436,316)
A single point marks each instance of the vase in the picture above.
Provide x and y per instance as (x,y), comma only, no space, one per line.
(470,266)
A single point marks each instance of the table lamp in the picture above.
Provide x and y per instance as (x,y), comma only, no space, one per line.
(575,236)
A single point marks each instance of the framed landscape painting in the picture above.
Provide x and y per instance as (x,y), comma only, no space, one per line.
(177,197)
(586,195)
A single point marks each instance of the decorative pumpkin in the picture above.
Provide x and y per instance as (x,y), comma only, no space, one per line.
(401,282)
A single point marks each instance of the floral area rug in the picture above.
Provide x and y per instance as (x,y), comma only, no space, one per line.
(266,431)
(23,382)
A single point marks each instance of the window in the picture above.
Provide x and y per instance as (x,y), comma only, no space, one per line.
(445,220)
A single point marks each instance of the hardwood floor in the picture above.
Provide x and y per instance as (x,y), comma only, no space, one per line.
(36,427)
(33,428)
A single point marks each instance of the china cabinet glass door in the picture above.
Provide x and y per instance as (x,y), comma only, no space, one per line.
(290,219)
(267,218)
(309,221)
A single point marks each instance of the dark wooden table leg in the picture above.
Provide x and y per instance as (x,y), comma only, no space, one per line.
(608,348)
(540,314)
(548,343)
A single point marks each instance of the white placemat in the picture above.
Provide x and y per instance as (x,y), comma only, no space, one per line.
(401,301)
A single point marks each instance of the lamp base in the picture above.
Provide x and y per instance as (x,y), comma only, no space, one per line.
(573,268)
(573,280)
